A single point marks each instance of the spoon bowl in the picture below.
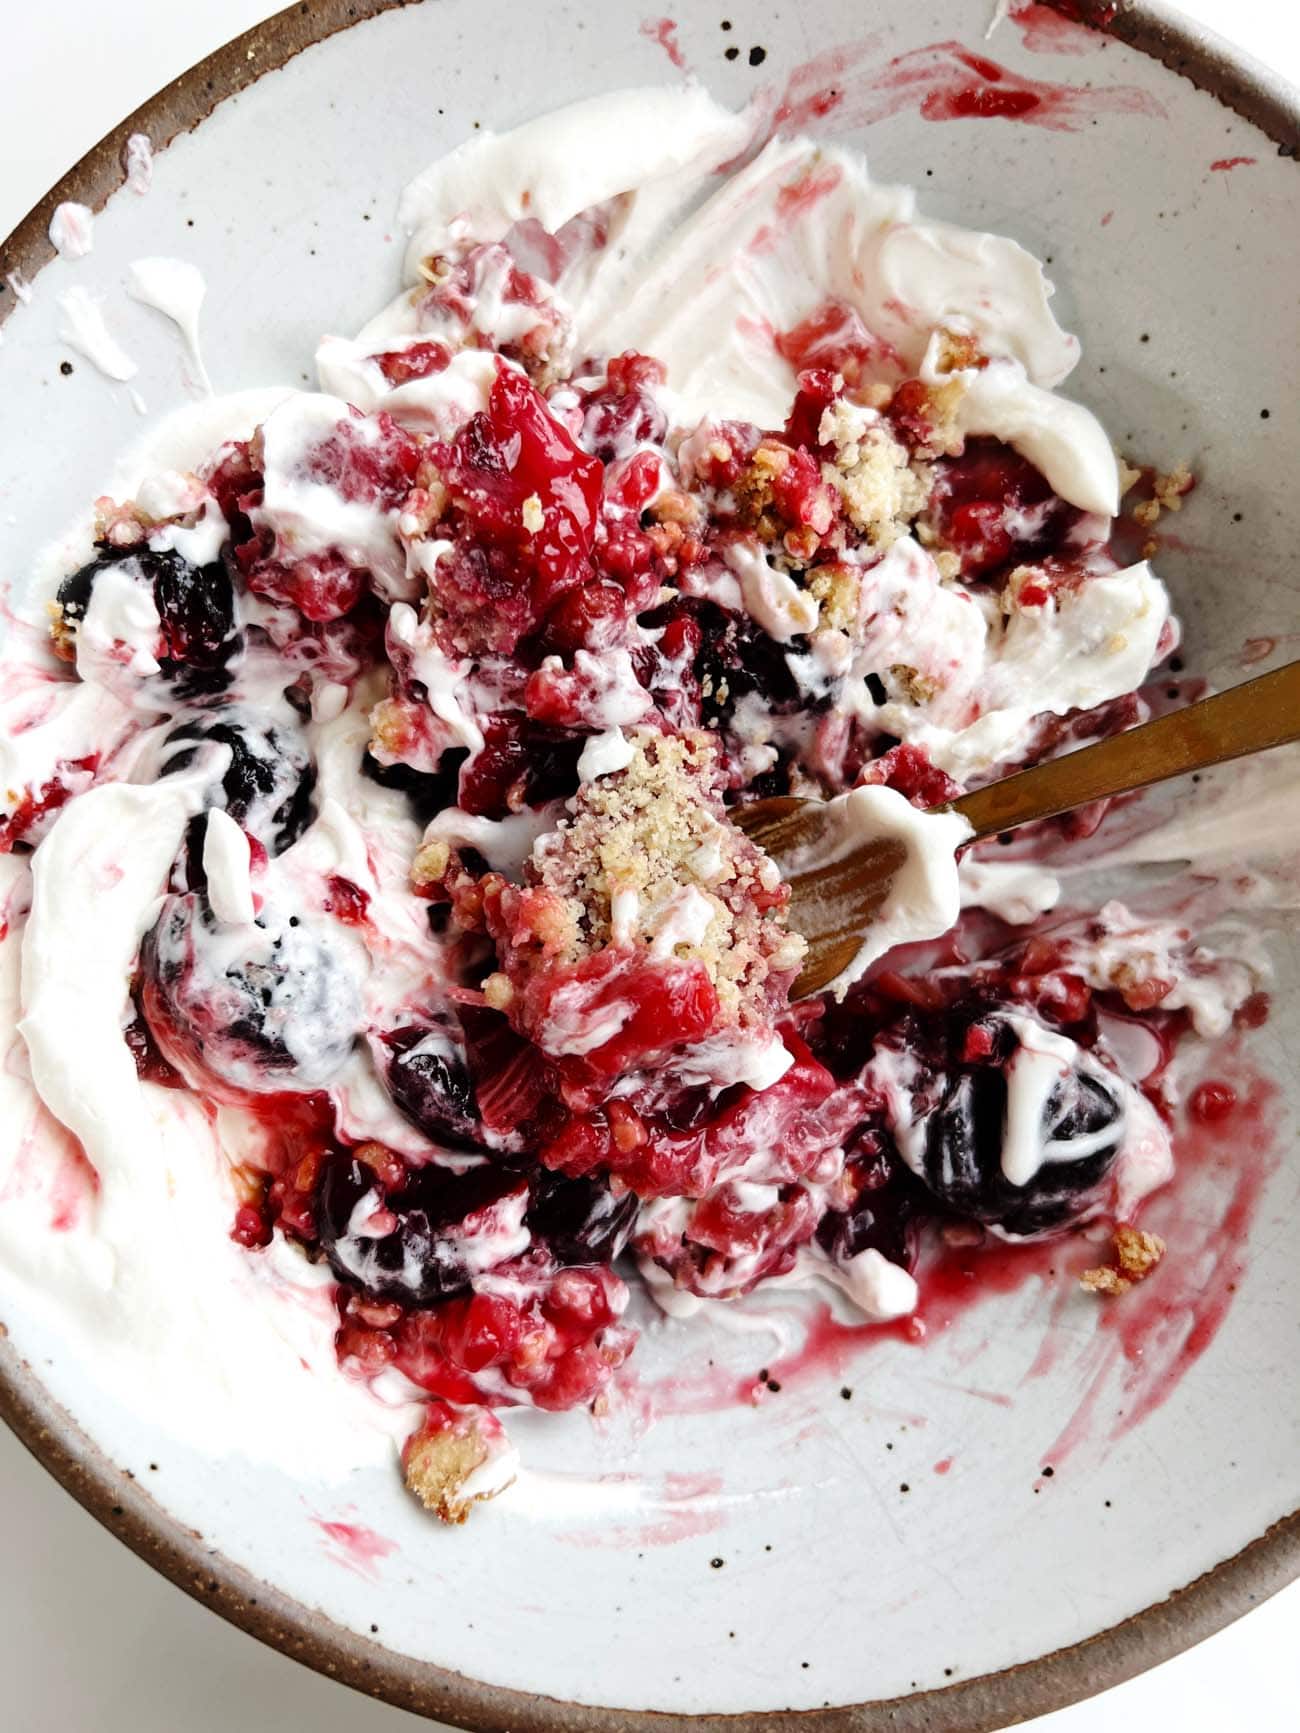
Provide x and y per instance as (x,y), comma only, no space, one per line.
(834,901)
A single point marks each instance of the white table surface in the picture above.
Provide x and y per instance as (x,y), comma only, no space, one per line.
(91,1641)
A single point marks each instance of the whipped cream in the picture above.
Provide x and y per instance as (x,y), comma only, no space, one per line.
(137,160)
(72,230)
(176,289)
(85,330)
(924,896)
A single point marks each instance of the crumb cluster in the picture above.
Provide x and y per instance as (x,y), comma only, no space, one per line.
(647,857)
(441,1458)
(1136,1254)
(881,487)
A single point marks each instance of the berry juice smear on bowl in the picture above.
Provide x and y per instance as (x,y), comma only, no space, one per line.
(379,936)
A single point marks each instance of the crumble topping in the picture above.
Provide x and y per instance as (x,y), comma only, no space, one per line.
(1167,491)
(955,351)
(63,631)
(647,857)
(1136,1254)
(773,499)
(1129,477)
(837,589)
(882,490)
(447,1455)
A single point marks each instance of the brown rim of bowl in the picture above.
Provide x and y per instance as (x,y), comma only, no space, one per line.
(123,1505)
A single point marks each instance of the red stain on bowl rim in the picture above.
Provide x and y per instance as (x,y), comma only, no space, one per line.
(1044,30)
(945,81)
(1260,649)
(818,86)
(355,1547)
(686,1511)
(1222,164)
(664,32)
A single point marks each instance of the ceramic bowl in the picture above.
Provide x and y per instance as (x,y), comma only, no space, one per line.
(1032,1504)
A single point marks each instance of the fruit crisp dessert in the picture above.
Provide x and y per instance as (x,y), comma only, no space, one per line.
(370,779)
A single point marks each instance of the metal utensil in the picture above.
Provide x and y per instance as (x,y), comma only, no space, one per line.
(833,905)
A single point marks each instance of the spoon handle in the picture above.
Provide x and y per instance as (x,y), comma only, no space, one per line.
(1249,718)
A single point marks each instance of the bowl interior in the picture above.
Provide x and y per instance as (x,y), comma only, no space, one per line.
(885,1521)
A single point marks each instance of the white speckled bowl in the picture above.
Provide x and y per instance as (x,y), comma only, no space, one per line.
(855,1568)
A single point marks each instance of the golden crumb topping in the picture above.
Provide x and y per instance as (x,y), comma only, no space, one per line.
(1169,489)
(1136,1254)
(882,490)
(955,351)
(836,588)
(430,864)
(1128,476)
(758,507)
(438,1463)
(63,633)
(648,857)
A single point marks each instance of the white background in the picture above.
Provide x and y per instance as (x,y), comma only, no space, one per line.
(91,1641)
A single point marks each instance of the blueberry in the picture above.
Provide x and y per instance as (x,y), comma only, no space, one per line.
(883,1216)
(1004,1093)
(270,781)
(428,1077)
(580,1221)
(272,1006)
(434,1248)
(199,631)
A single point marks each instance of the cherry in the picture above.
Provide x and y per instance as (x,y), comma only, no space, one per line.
(580,1221)
(884,1213)
(198,633)
(534,1334)
(429,1079)
(417,1243)
(367,460)
(908,769)
(509,567)
(34,808)
(621,415)
(653,1007)
(818,388)
(992,506)
(521,763)
(416,361)
(1212,1102)
(959,1097)
(267,1008)
(593,617)
(727,656)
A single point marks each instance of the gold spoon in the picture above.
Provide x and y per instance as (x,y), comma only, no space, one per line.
(833,905)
